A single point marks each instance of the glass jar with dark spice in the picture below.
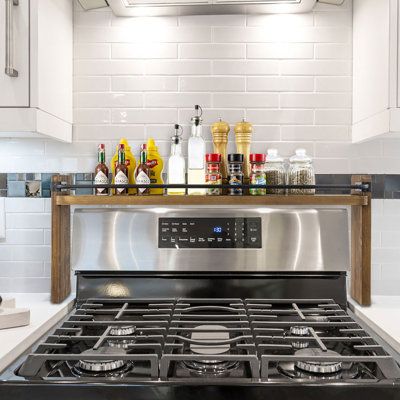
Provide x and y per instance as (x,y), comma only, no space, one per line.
(275,171)
(301,172)
(213,174)
(235,173)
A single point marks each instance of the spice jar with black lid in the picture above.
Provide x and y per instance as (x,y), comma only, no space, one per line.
(235,173)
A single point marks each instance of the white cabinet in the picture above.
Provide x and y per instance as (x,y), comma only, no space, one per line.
(376,45)
(39,100)
(15,48)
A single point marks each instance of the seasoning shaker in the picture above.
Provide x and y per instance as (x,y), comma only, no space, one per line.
(275,171)
(235,173)
(257,174)
(213,174)
(301,172)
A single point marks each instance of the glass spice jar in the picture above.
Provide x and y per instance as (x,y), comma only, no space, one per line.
(257,174)
(213,174)
(275,171)
(235,173)
(301,172)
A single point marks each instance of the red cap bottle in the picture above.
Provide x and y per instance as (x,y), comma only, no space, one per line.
(257,158)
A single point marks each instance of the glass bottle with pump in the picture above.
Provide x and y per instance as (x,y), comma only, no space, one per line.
(196,154)
(176,163)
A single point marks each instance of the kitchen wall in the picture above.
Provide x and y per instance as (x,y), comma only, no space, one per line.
(290,75)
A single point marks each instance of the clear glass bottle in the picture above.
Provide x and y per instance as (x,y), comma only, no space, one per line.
(176,163)
(257,174)
(213,176)
(275,171)
(301,172)
(196,154)
(235,173)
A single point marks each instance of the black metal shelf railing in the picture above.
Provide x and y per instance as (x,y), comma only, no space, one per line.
(362,187)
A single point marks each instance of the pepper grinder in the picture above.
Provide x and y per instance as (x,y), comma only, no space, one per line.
(243,131)
(220,131)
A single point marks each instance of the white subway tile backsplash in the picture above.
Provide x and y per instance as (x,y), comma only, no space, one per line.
(340,133)
(144,115)
(27,220)
(108,67)
(316,67)
(18,269)
(108,99)
(211,50)
(28,205)
(333,117)
(92,51)
(248,67)
(341,84)
(212,83)
(144,83)
(247,100)
(333,51)
(92,84)
(279,84)
(176,99)
(283,117)
(92,116)
(212,20)
(315,100)
(95,133)
(280,50)
(279,20)
(144,50)
(24,236)
(176,68)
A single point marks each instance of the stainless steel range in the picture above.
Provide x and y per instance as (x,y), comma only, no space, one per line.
(187,303)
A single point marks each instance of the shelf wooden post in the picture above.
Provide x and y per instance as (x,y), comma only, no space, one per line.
(60,244)
(361,246)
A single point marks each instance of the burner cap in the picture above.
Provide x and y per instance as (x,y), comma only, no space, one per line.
(105,364)
(318,367)
(210,334)
(122,330)
(299,330)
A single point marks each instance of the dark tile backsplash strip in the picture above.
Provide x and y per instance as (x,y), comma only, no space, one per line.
(39,185)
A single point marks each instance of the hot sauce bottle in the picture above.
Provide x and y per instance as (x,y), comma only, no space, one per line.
(142,174)
(121,171)
(101,172)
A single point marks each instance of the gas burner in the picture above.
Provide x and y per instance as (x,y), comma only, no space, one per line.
(299,330)
(108,363)
(211,367)
(203,338)
(313,370)
(122,330)
(318,367)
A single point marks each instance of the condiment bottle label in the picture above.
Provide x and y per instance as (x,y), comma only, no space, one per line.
(100,179)
(121,179)
(142,178)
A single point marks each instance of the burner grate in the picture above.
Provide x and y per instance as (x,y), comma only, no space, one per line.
(231,339)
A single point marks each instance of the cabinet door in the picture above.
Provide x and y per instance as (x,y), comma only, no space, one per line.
(14,91)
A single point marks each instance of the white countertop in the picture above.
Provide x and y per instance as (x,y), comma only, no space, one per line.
(383,317)
(14,341)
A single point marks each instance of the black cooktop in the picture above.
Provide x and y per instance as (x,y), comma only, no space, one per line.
(219,340)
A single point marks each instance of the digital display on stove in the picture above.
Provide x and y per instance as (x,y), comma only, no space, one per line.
(199,233)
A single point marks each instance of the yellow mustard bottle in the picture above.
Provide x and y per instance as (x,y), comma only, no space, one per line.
(130,161)
(156,165)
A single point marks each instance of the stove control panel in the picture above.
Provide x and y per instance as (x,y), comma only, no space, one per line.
(199,233)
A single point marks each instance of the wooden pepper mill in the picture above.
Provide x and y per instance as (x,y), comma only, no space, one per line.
(243,132)
(220,131)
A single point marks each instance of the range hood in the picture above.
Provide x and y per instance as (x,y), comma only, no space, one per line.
(126,8)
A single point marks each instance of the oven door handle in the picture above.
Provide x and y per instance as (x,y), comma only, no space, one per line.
(9,68)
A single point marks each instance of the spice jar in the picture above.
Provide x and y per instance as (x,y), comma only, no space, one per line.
(213,174)
(275,171)
(257,174)
(301,172)
(235,173)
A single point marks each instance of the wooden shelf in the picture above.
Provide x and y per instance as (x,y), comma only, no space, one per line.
(269,200)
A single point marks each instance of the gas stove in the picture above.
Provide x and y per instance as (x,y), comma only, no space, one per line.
(221,321)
